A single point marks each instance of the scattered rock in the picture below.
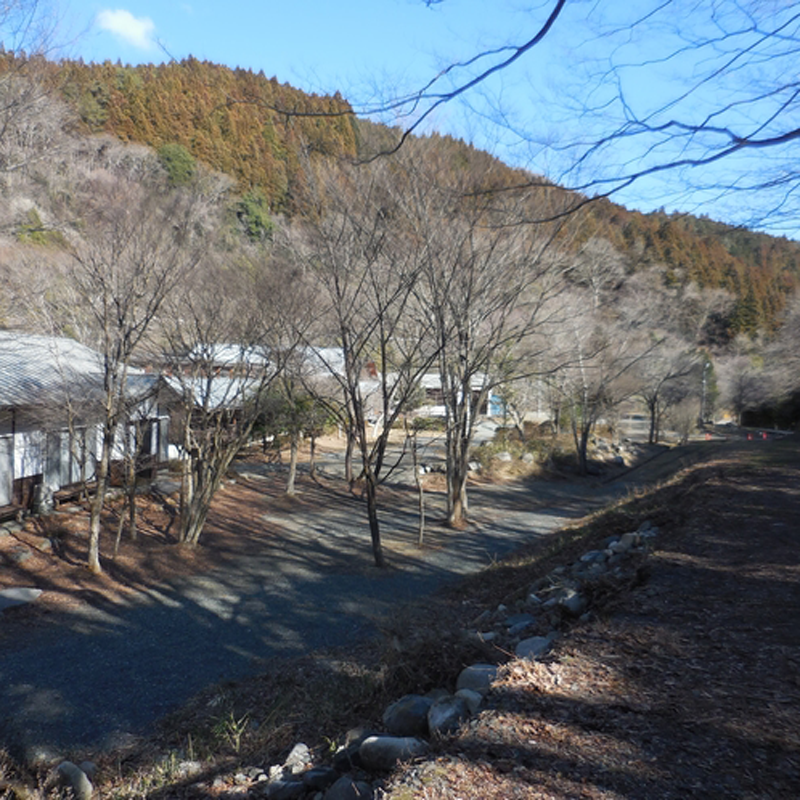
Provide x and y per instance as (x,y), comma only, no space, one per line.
(320,778)
(408,716)
(534,647)
(298,760)
(381,753)
(516,619)
(472,698)
(479,678)
(630,539)
(348,789)
(73,777)
(534,599)
(284,790)
(447,714)
(573,602)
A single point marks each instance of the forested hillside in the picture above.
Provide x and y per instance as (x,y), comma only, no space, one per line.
(260,132)
(226,118)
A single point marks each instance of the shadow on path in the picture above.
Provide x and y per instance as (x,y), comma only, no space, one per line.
(110,669)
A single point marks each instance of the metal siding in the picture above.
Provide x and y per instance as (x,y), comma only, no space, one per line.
(6,470)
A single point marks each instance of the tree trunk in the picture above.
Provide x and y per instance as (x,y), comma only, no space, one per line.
(653,435)
(131,489)
(312,458)
(372,516)
(120,526)
(457,487)
(348,459)
(293,448)
(583,458)
(93,557)
(420,489)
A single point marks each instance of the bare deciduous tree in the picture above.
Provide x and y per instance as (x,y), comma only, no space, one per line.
(487,280)
(136,243)
(225,352)
(363,258)
(664,379)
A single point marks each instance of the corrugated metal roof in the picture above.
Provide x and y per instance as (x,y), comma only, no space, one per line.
(38,369)
(217,392)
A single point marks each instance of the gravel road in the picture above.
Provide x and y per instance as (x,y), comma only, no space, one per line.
(88,680)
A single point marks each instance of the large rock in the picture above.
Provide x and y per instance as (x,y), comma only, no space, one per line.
(478,677)
(408,716)
(447,714)
(380,753)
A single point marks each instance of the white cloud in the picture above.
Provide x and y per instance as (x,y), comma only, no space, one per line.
(135,31)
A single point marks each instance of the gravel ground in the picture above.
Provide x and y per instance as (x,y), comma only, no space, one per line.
(93,677)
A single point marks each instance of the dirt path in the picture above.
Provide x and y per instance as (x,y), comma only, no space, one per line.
(297,577)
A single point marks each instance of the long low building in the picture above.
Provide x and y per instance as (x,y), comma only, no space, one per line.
(51,391)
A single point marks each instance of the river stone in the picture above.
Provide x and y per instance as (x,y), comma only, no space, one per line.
(631,539)
(533,648)
(348,789)
(285,790)
(478,677)
(320,778)
(408,716)
(447,714)
(73,777)
(347,757)
(381,753)
(516,619)
(472,698)
(573,602)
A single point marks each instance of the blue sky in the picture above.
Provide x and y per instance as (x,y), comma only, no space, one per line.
(561,92)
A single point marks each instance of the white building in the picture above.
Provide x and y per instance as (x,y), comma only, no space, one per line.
(50,392)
